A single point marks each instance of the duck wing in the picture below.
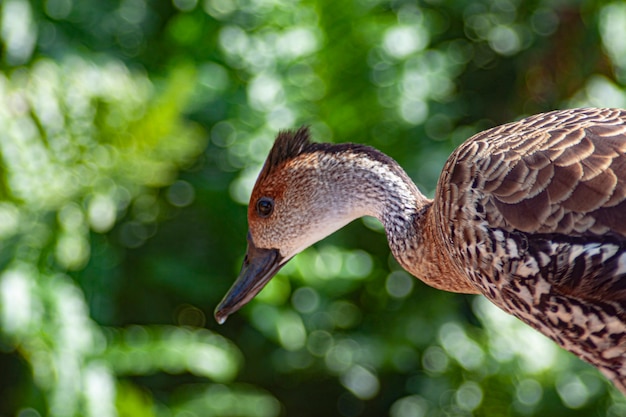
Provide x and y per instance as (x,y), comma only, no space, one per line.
(560,172)
(557,181)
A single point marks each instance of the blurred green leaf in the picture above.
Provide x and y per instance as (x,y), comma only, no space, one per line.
(134,402)
(225,401)
(141,350)
(131,135)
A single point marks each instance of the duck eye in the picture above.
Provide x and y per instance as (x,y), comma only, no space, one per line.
(264,206)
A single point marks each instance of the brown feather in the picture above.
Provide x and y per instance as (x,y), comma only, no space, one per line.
(535,213)
(571,169)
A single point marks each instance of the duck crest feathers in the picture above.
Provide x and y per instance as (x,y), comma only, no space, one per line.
(288,145)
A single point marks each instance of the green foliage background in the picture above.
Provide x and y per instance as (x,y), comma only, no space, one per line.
(131,132)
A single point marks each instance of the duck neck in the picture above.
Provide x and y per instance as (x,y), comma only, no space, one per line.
(377,186)
(416,242)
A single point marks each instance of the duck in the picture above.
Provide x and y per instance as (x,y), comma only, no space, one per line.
(530,214)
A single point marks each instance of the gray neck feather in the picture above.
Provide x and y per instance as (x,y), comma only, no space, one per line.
(371,183)
(365,182)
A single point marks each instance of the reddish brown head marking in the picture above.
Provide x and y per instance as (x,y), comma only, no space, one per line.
(288,145)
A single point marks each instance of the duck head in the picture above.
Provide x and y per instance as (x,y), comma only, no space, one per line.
(294,203)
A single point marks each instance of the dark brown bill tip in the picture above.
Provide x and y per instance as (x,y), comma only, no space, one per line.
(259,266)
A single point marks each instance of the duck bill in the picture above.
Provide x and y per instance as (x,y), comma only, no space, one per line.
(259,266)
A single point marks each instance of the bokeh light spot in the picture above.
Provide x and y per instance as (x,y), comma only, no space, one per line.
(102,213)
(399,284)
(305,300)
(345,314)
(185,5)
(291,332)
(188,315)
(319,342)
(58,9)
(220,8)
(9,220)
(456,343)
(341,356)
(132,11)
(180,194)
(504,40)
(572,390)
(18,30)
(528,392)
(469,395)
(358,264)
(19,308)
(401,41)
(411,406)
(265,92)
(435,359)
(362,382)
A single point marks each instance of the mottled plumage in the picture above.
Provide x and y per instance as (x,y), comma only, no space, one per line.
(531,214)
